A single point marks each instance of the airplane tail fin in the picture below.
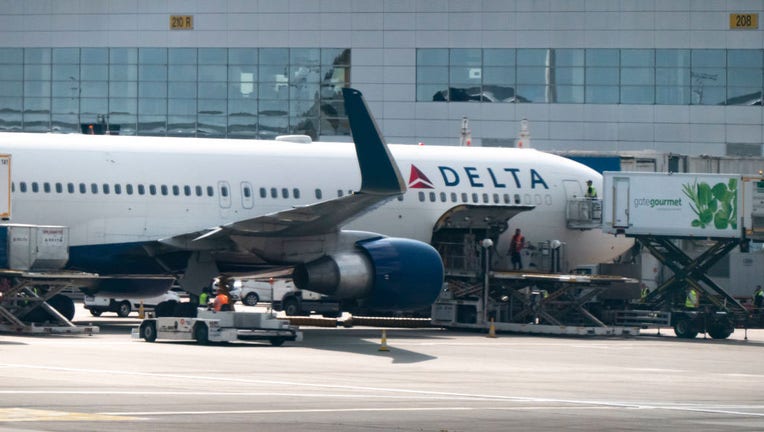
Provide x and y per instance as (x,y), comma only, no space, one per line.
(379,172)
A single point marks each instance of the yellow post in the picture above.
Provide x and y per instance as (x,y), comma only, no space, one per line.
(491,330)
(384,347)
(141,311)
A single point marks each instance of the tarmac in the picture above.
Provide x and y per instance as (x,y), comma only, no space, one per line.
(339,379)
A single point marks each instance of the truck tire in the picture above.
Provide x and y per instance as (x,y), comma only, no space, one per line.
(685,329)
(721,329)
(251,299)
(124,309)
(292,307)
(149,331)
(202,334)
(95,312)
(277,341)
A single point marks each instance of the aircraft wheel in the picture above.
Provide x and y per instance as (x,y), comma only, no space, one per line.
(124,309)
(202,334)
(685,329)
(251,299)
(149,331)
(63,304)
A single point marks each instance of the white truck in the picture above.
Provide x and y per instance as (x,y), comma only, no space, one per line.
(715,212)
(293,301)
(224,326)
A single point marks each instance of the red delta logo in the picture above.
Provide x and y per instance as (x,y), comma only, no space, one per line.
(417,179)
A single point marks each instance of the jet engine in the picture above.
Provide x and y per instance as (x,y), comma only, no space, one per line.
(388,274)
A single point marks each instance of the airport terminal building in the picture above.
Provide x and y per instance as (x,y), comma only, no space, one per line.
(681,76)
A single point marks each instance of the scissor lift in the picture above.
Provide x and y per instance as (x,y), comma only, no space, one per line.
(21,293)
(719,313)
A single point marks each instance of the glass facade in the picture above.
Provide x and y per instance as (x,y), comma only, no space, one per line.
(206,92)
(592,76)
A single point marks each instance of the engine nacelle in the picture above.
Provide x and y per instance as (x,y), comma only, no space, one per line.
(386,273)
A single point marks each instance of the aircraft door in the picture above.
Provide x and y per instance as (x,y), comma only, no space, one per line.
(620,202)
(573,189)
(224,194)
(247,195)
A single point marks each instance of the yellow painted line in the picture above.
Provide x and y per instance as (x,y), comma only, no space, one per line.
(34,415)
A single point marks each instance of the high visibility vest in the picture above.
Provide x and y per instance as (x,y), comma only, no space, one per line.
(204,298)
(692,300)
(645,292)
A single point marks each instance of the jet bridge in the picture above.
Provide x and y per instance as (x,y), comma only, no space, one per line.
(723,211)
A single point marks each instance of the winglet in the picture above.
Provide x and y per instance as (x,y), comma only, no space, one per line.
(379,172)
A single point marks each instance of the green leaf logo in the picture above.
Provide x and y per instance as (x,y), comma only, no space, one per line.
(715,204)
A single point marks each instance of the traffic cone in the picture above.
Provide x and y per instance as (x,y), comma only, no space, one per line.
(384,347)
(141,311)
(491,330)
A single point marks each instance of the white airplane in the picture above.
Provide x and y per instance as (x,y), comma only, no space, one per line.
(142,206)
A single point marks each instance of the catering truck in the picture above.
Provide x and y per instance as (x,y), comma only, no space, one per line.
(716,213)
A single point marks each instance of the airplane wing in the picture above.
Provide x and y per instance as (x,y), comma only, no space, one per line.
(380,181)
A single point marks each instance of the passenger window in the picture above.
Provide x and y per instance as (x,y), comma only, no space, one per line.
(118,189)
(210,191)
(284,193)
(70,188)
(296,193)
(474,197)
(432,197)
(517,198)
(339,193)
(263,193)
(35,187)
(485,198)
(464,197)
(59,188)
(318,194)
(175,190)
(421,196)
(129,189)
(443,197)
(83,188)
(152,189)
(506,199)
(199,191)
(548,199)
(46,187)
(496,198)
(247,192)
(13,187)
(141,189)
(187,190)
(93,188)
(164,189)
(105,188)
(537,199)
(223,191)
(23,186)
(453,197)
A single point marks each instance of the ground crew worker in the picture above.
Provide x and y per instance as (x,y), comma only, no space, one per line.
(221,300)
(644,293)
(692,301)
(204,297)
(758,299)
(591,192)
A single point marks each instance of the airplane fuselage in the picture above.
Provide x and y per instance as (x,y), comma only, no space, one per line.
(120,190)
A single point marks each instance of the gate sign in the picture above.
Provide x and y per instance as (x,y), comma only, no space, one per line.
(5,187)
